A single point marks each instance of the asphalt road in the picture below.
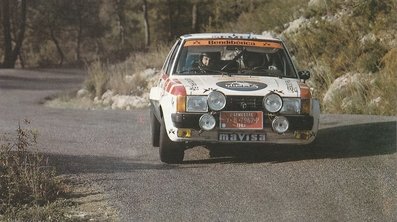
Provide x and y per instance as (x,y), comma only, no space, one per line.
(349,175)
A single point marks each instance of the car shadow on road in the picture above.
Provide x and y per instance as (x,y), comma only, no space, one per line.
(360,140)
(371,139)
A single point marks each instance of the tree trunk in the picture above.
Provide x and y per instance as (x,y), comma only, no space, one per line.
(21,31)
(59,49)
(171,20)
(146,23)
(121,21)
(7,34)
(11,55)
(78,40)
(194,17)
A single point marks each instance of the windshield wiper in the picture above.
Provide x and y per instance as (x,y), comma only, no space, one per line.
(263,72)
(201,71)
(233,60)
(189,71)
(214,71)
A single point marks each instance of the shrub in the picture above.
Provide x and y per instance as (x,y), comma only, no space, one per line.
(125,78)
(26,179)
(265,16)
(386,84)
(98,77)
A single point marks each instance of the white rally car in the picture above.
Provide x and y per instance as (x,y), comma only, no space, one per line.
(230,88)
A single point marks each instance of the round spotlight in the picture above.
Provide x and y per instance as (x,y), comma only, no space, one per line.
(207,122)
(273,103)
(216,100)
(280,124)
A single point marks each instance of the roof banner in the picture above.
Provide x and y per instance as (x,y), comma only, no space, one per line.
(236,42)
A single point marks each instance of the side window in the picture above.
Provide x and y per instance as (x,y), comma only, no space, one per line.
(167,62)
(172,57)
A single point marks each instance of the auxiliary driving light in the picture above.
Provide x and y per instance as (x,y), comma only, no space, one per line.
(280,124)
(184,133)
(207,122)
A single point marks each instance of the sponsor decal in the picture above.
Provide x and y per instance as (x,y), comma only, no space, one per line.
(277,91)
(192,85)
(209,89)
(239,42)
(231,42)
(235,137)
(290,87)
(241,85)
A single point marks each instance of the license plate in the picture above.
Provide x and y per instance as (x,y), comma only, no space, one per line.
(241,120)
(241,137)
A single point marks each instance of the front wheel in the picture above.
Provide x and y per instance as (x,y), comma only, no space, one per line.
(170,152)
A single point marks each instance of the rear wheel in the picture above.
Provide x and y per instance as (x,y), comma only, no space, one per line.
(170,152)
(155,129)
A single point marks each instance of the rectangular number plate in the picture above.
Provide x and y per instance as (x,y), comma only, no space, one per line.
(241,120)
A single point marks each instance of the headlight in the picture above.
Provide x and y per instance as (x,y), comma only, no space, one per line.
(196,104)
(216,100)
(291,106)
(273,103)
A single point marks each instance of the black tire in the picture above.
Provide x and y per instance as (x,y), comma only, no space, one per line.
(170,152)
(155,129)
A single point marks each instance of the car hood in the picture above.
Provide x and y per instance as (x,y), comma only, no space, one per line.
(240,85)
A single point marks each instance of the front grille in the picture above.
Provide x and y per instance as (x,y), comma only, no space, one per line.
(244,103)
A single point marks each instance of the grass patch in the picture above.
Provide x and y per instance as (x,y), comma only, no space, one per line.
(30,190)
(29,187)
(125,78)
(98,78)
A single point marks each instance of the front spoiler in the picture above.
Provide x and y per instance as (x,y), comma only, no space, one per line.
(209,137)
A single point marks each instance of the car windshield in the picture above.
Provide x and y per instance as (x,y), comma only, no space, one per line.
(234,57)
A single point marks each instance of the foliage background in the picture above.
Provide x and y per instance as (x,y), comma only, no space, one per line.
(349,46)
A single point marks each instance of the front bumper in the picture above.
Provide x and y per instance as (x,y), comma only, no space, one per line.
(301,131)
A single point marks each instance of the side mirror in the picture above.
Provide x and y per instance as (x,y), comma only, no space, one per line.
(305,75)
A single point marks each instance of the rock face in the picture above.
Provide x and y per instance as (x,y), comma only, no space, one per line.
(346,92)
(116,101)
(355,78)
(126,102)
(295,25)
(341,85)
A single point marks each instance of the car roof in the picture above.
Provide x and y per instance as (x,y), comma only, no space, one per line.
(229,36)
